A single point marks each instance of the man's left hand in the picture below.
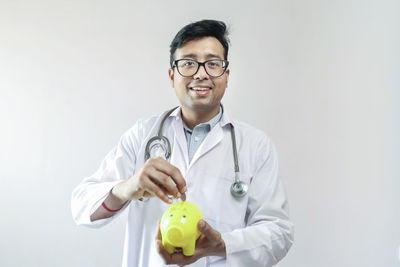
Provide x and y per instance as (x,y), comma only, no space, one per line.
(209,243)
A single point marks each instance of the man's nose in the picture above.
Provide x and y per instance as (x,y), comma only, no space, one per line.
(201,74)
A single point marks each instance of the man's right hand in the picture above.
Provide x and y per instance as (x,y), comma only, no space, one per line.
(156,178)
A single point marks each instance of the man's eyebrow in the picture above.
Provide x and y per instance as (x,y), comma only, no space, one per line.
(210,55)
(189,56)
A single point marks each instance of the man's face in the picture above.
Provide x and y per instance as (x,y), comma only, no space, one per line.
(185,87)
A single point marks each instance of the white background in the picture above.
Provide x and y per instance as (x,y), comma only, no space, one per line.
(321,78)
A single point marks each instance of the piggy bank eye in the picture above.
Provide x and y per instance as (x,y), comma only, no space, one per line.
(184,216)
(171,215)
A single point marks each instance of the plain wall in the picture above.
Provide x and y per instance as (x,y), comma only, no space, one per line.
(321,78)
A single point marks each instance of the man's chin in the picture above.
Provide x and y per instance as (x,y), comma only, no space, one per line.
(202,107)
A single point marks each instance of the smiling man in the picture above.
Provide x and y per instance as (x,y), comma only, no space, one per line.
(196,152)
(201,79)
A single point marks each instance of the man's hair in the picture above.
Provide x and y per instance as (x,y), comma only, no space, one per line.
(197,30)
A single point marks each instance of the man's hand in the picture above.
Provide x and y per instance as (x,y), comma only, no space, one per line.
(209,243)
(156,178)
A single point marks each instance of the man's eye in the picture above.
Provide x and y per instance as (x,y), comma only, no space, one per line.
(214,64)
(188,64)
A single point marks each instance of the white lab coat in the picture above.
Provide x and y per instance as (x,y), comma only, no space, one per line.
(256,228)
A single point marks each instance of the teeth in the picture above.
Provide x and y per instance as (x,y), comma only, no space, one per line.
(200,88)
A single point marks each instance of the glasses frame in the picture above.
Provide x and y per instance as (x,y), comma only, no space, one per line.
(199,64)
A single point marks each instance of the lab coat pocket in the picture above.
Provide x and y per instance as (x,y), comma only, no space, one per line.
(227,212)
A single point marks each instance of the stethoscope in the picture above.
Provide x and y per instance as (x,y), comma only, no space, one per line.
(159,146)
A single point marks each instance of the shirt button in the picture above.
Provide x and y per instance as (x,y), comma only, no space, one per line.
(196,138)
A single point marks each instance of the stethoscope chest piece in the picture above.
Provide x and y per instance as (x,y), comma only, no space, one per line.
(239,189)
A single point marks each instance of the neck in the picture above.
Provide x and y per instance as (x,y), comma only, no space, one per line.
(195,117)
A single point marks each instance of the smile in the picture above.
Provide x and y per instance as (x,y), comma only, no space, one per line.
(200,88)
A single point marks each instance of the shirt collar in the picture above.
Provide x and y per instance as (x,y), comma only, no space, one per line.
(211,123)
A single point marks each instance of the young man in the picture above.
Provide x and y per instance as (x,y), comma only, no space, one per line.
(202,153)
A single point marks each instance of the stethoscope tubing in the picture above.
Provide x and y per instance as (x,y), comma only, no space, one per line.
(238,188)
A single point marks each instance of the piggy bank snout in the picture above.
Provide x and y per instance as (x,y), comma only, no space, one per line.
(174,234)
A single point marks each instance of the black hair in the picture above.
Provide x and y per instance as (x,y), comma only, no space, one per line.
(197,30)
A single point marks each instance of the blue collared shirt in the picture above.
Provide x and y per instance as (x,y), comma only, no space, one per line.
(196,136)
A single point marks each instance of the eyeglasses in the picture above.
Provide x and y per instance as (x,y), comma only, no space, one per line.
(189,67)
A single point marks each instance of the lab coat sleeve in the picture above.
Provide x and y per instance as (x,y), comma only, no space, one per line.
(119,164)
(268,234)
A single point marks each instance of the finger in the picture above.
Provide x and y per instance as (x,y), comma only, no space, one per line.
(183,196)
(147,194)
(158,237)
(163,253)
(156,190)
(163,180)
(208,231)
(171,171)
(180,259)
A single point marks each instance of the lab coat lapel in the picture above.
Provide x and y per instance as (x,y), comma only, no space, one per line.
(213,138)
(179,157)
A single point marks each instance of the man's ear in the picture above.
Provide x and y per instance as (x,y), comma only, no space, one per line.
(171,76)
(227,76)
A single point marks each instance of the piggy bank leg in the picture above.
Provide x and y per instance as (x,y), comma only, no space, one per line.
(188,250)
(169,248)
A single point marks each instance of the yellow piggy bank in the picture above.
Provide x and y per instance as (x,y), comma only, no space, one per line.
(178,227)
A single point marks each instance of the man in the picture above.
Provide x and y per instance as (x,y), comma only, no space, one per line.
(248,230)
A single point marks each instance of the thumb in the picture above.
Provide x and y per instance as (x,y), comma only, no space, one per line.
(208,231)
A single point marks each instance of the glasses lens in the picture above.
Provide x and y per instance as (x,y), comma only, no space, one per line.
(215,68)
(187,67)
